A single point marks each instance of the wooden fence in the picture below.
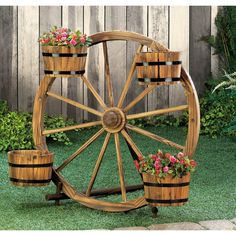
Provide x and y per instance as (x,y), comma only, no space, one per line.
(178,27)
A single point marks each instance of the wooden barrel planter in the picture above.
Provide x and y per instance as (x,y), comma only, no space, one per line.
(65,61)
(30,167)
(166,192)
(158,67)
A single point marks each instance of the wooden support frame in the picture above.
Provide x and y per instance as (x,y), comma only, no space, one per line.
(86,197)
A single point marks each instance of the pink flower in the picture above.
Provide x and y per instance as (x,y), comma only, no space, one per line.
(181,162)
(180,155)
(173,159)
(63,38)
(82,39)
(157,165)
(166,169)
(73,42)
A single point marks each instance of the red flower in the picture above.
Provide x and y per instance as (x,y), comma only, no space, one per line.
(193,163)
(136,164)
(167,155)
(154,157)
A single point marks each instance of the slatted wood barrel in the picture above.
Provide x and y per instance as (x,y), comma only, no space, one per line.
(166,191)
(62,60)
(158,67)
(30,167)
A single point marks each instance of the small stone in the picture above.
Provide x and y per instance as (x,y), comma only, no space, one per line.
(218,225)
(132,228)
(234,221)
(176,226)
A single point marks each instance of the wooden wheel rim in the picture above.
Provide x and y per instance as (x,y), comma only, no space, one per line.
(193,125)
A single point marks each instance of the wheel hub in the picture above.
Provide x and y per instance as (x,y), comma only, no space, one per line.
(113,120)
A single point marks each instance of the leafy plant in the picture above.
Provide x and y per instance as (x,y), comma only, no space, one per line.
(230,83)
(163,164)
(16,129)
(218,109)
(64,37)
(53,122)
(224,41)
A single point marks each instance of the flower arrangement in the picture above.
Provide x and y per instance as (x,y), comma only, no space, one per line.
(64,37)
(163,164)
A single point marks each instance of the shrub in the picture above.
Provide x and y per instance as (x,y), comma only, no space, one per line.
(16,129)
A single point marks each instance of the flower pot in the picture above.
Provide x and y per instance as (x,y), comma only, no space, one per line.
(64,61)
(166,192)
(30,167)
(158,67)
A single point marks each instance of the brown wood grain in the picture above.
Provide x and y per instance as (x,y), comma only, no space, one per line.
(166,193)
(29,158)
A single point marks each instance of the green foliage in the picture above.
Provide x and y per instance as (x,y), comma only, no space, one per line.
(218,109)
(159,121)
(16,129)
(53,122)
(224,41)
(230,83)
(163,164)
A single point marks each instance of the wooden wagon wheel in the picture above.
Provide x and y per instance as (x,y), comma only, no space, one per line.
(113,120)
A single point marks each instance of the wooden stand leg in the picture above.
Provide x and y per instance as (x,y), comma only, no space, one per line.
(59,189)
(154,211)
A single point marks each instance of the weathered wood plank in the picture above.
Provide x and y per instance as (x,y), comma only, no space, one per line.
(179,41)
(214,58)
(94,22)
(8,55)
(137,22)
(50,16)
(28,56)
(158,28)
(116,20)
(200,52)
(73,87)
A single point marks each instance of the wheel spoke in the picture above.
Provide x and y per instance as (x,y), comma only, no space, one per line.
(98,163)
(131,143)
(74,103)
(72,127)
(80,150)
(157,112)
(139,97)
(129,79)
(155,137)
(120,167)
(94,92)
(108,76)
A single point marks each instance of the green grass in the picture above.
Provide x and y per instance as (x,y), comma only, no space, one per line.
(212,189)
